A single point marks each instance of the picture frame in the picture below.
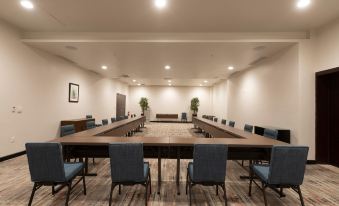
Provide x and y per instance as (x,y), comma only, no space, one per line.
(73,93)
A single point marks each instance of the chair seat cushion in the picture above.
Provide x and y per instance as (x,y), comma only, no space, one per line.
(72,169)
(146,170)
(261,171)
(190,169)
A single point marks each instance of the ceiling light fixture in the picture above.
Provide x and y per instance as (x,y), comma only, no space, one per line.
(205,81)
(160,4)
(134,80)
(169,81)
(303,3)
(200,85)
(104,67)
(169,84)
(139,84)
(167,67)
(27,4)
(230,67)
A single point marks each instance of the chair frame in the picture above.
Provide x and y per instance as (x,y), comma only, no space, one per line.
(69,185)
(190,184)
(147,184)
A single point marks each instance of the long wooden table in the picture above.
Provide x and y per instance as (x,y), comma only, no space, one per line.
(167,147)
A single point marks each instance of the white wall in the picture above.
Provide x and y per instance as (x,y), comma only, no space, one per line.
(220,99)
(170,100)
(38,82)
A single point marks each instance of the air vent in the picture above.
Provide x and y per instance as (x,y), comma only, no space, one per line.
(124,76)
(73,48)
(257,61)
(259,48)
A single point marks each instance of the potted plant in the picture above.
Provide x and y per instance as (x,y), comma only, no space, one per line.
(195,105)
(143,104)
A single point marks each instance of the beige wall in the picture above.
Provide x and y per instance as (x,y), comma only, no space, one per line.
(220,99)
(170,100)
(38,82)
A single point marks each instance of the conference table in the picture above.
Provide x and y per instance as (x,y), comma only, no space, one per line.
(94,143)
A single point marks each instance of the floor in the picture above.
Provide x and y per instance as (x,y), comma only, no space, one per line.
(321,184)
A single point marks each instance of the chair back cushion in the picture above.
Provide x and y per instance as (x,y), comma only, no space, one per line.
(113,119)
(90,124)
(67,130)
(271,133)
(223,121)
(248,128)
(209,163)
(105,122)
(45,162)
(88,116)
(287,165)
(215,119)
(231,123)
(127,162)
(184,115)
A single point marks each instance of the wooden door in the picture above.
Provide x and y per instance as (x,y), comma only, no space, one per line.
(121,105)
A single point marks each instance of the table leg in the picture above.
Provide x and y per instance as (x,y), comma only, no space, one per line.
(178,171)
(159,170)
(86,169)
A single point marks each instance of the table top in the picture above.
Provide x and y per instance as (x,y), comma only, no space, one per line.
(105,128)
(78,120)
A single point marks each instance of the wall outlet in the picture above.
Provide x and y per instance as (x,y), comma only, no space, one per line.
(12,139)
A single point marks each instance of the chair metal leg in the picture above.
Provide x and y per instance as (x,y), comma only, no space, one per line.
(264,193)
(84,181)
(119,189)
(250,185)
(225,196)
(32,194)
(300,196)
(53,190)
(187,181)
(216,189)
(146,193)
(150,181)
(190,191)
(111,193)
(69,185)
(281,192)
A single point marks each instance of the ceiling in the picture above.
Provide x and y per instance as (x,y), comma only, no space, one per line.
(191,63)
(253,29)
(179,16)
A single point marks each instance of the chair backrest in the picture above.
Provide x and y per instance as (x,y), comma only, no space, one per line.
(248,128)
(88,116)
(287,166)
(113,119)
(127,162)
(105,122)
(223,121)
(209,162)
(125,117)
(90,124)
(271,133)
(215,119)
(67,130)
(231,123)
(45,162)
(184,115)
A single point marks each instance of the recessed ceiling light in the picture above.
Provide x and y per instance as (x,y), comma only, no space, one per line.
(104,67)
(134,80)
(169,84)
(169,81)
(230,67)
(160,4)
(200,85)
(303,3)
(167,67)
(27,4)
(205,81)
(139,84)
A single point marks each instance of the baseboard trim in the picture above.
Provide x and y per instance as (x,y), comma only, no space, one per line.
(311,162)
(12,156)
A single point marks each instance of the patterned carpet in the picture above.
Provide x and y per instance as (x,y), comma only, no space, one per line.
(320,187)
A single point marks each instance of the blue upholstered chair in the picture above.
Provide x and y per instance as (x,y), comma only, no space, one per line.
(47,168)
(125,117)
(215,119)
(271,133)
(128,167)
(90,124)
(67,130)
(248,128)
(223,121)
(89,116)
(184,116)
(286,170)
(231,123)
(113,119)
(105,122)
(208,167)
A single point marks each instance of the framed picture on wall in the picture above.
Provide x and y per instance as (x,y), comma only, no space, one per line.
(73,95)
